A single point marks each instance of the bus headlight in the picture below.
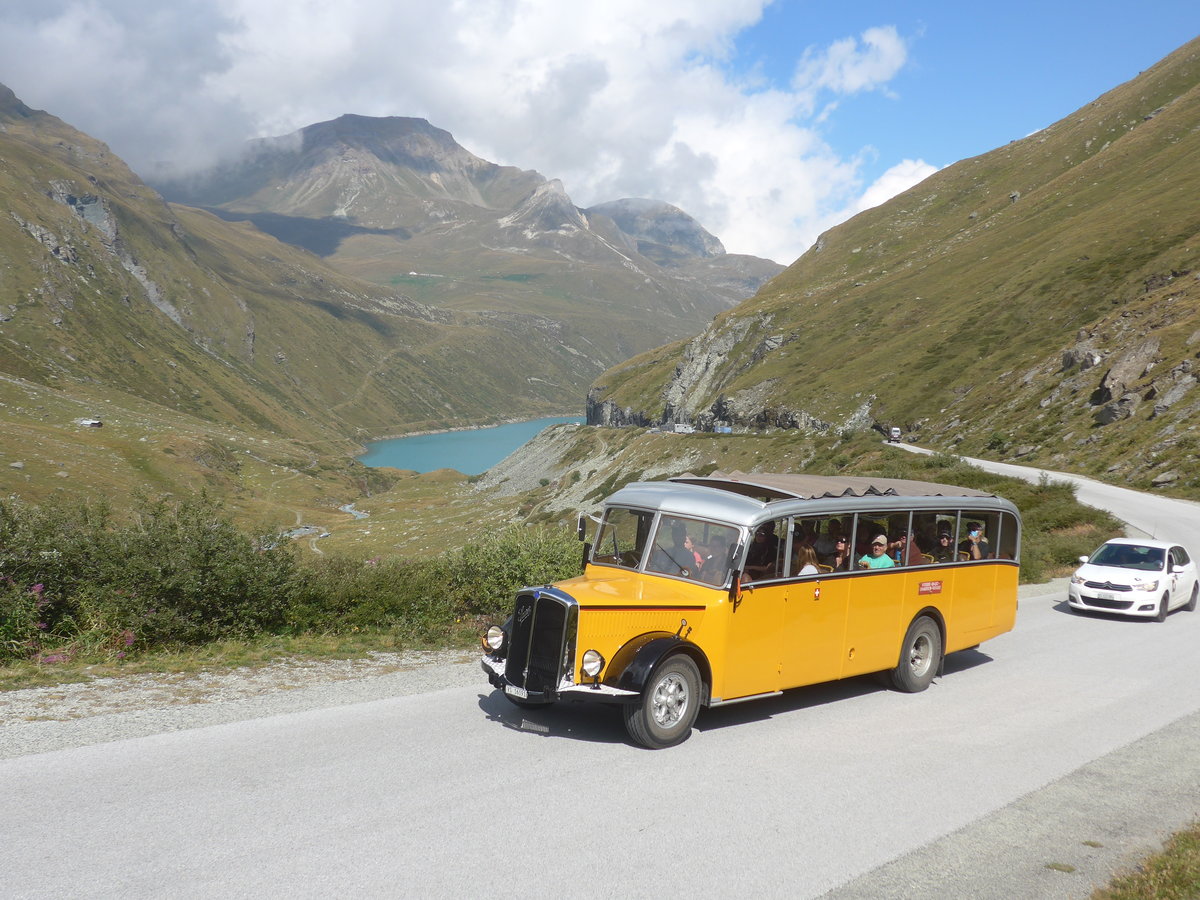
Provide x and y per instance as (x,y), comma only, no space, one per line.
(591,663)
(494,639)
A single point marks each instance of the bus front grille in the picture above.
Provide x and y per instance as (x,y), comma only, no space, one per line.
(542,642)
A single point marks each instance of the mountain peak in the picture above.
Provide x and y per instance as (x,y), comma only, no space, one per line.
(11,106)
(663,232)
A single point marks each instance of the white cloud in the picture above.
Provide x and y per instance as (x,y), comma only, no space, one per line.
(896,180)
(846,67)
(617,98)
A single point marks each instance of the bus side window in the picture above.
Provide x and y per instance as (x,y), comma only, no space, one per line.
(1007,544)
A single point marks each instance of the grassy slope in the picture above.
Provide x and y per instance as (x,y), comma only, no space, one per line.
(204,344)
(948,309)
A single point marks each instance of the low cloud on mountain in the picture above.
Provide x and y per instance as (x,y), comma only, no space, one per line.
(615,99)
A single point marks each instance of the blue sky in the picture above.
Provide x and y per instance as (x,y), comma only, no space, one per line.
(977,75)
(769,122)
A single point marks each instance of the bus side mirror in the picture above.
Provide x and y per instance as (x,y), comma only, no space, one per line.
(735,590)
(581,526)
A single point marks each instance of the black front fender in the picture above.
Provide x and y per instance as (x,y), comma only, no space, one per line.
(636,660)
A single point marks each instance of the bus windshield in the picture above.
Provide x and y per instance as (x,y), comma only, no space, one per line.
(681,547)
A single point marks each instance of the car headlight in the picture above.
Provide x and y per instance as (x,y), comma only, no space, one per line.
(1146,586)
(592,663)
(494,639)
(1077,579)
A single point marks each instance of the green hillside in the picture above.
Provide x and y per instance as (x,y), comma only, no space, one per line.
(1040,301)
(196,341)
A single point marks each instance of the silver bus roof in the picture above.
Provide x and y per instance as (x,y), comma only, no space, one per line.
(769,486)
(746,499)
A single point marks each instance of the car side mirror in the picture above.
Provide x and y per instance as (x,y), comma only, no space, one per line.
(1176,570)
(1083,559)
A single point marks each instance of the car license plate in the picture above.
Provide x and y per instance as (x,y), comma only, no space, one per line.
(516,691)
(1105,595)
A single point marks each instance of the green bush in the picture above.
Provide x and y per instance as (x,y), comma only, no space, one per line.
(483,577)
(174,573)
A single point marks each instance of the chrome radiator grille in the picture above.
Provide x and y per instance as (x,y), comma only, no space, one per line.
(542,640)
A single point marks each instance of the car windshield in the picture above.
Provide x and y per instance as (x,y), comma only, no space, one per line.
(1130,556)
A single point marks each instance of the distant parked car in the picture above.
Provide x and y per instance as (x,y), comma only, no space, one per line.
(894,434)
(1135,578)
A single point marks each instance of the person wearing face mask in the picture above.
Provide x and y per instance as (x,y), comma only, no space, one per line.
(974,545)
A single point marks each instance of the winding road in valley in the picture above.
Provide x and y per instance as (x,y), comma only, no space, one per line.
(1034,768)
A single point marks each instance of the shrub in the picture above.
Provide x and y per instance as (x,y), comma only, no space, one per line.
(174,573)
(484,576)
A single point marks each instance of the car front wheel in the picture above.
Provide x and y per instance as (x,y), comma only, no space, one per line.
(1191,604)
(1161,615)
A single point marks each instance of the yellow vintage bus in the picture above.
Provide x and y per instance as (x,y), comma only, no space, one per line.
(709,590)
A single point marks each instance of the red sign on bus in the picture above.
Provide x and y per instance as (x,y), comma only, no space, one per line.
(930,587)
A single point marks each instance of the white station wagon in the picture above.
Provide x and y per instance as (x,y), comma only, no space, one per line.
(1135,578)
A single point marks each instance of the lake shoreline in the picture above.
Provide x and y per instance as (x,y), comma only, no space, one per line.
(469,449)
(496,424)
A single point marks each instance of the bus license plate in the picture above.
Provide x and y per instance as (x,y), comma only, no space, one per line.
(515,691)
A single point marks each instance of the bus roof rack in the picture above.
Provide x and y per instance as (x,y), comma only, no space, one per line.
(768,486)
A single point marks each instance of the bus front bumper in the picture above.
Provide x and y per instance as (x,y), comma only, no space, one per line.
(566,690)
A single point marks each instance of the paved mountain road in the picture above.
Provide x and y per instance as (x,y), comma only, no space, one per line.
(1070,742)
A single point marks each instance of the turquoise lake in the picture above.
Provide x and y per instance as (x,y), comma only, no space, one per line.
(470,452)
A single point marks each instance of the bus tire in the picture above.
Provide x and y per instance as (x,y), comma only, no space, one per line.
(920,656)
(669,704)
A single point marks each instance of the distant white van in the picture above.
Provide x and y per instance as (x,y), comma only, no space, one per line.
(894,435)
(684,428)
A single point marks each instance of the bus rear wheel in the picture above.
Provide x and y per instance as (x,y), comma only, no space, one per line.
(920,656)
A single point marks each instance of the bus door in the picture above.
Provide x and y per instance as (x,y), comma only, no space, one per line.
(974,586)
(755,626)
(814,618)
(752,658)
(814,630)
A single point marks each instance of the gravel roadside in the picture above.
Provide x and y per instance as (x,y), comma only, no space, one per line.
(41,720)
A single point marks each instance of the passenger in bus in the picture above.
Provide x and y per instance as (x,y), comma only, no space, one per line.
(840,560)
(805,562)
(760,560)
(904,550)
(805,535)
(944,551)
(974,545)
(877,557)
(824,544)
(676,559)
(715,562)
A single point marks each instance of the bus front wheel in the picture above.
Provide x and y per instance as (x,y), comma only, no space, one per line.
(920,656)
(669,704)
